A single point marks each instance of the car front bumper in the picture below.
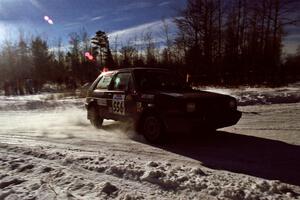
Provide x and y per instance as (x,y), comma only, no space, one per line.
(181,123)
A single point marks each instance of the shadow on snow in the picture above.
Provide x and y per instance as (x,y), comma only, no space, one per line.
(260,157)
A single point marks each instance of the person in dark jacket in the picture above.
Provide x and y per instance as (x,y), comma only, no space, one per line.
(6,88)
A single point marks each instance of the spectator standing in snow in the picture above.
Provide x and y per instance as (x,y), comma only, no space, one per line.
(29,86)
(14,87)
(6,88)
(20,87)
(36,86)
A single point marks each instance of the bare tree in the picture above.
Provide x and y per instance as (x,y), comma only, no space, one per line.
(127,55)
(150,49)
(168,41)
(116,50)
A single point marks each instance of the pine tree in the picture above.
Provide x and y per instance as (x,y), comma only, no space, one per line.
(101,49)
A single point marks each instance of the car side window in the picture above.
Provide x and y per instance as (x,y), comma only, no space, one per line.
(122,81)
(104,82)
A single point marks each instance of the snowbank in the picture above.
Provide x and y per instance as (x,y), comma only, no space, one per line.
(43,101)
(261,95)
(48,173)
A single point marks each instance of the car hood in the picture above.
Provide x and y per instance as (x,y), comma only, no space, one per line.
(194,95)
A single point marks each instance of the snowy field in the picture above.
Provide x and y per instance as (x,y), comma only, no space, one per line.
(48,150)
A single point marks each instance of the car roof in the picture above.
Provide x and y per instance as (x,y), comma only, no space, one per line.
(137,68)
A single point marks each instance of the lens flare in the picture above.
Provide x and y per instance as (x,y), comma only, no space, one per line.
(105,69)
(88,56)
(50,21)
(46,18)
(91,57)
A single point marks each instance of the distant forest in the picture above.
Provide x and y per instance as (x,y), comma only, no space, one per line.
(217,42)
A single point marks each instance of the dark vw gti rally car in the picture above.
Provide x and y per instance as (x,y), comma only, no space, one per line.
(157,101)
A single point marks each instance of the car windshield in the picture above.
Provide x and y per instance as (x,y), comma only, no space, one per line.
(159,80)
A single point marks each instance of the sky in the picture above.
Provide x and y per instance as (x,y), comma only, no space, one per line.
(122,18)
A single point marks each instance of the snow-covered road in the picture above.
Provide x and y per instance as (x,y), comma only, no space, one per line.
(49,150)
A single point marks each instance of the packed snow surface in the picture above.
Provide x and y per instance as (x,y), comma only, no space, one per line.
(48,150)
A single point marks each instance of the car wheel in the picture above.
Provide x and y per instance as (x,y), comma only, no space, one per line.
(95,118)
(152,129)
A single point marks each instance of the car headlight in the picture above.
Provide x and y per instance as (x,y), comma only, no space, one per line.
(190,107)
(232,104)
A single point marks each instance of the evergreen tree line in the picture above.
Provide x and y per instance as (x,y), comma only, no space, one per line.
(27,64)
(217,42)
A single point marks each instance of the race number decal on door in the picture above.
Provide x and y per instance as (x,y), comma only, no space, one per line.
(118,106)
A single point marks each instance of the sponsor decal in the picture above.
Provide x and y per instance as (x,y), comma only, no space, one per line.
(139,107)
(150,105)
(118,97)
(173,94)
(128,98)
(147,96)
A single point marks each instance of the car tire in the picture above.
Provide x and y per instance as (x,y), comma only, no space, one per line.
(95,118)
(152,129)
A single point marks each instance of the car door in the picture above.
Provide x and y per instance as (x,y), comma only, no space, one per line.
(119,91)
